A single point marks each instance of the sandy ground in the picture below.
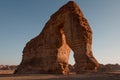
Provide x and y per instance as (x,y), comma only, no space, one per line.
(6,71)
(72,76)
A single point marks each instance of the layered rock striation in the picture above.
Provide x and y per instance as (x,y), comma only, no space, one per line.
(66,30)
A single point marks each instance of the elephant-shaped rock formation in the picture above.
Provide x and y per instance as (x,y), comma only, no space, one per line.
(49,52)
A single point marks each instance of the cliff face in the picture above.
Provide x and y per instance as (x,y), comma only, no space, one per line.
(49,52)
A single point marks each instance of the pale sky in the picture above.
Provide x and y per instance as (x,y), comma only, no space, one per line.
(22,20)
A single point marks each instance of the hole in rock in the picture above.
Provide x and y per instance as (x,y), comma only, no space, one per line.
(71,58)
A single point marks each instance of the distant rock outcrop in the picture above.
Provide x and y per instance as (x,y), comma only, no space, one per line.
(49,52)
(109,68)
(8,67)
(71,68)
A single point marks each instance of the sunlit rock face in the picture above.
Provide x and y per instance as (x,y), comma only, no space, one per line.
(66,30)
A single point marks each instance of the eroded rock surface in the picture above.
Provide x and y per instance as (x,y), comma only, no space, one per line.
(49,52)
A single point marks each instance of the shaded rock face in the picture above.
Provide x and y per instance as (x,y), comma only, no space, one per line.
(49,52)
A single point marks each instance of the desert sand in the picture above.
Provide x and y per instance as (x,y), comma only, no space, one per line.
(71,76)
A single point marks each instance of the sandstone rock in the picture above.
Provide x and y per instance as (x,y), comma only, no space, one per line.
(49,52)
(71,68)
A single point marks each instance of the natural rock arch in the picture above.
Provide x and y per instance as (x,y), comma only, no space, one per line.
(49,52)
